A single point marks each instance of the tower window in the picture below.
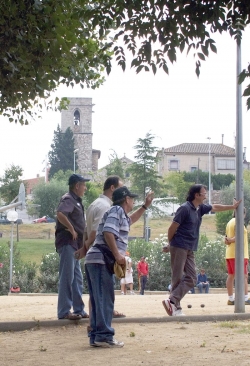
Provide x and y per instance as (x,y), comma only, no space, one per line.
(76,118)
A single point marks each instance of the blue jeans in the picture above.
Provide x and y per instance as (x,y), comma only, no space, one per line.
(70,287)
(201,286)
(102,297)
(143,280)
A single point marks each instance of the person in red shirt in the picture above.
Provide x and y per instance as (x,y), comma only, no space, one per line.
(142,269)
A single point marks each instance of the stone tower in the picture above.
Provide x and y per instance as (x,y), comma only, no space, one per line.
(78,117)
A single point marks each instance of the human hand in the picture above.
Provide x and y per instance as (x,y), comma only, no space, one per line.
(149,198)
(166,248)
(73,233)
(120,259)
(81,253)
(236,204)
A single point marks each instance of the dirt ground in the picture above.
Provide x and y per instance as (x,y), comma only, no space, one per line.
(182,341)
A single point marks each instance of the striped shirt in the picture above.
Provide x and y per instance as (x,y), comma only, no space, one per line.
(114,221)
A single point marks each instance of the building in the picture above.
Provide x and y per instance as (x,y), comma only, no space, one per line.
(193,156)
(78,117)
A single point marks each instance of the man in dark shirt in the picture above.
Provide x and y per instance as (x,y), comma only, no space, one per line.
(70,225)
(183,237)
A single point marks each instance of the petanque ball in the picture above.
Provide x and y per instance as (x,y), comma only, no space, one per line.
(202,305)
(189,306)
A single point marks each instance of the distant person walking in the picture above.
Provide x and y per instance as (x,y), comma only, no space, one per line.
(70,225)
(142,269)
(230,260)
(183,237)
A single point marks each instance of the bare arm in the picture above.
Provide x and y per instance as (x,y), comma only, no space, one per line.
(64,220)
(90,239)
(172,230)
(138,213)
(219,208)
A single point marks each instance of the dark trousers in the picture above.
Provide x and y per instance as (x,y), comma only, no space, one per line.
(183,273)
(143,280)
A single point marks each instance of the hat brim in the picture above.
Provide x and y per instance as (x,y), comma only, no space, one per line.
(132,195)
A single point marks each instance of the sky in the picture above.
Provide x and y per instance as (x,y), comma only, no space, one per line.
(175,108)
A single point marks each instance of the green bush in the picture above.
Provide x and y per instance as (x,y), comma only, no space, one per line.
(221,220)
(23,274)
(211,257)
(49,273)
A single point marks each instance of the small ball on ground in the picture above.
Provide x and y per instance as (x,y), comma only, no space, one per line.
(189,306)
(202,305)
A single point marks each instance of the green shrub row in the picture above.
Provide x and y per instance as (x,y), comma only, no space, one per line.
(44,278)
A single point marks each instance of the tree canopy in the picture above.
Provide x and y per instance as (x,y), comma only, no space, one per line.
(48,43)
(61,155)
(10,183)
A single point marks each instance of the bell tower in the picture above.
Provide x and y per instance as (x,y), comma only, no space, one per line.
(78,117)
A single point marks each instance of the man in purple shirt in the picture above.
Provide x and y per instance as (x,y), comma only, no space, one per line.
(70,225)
(183,237)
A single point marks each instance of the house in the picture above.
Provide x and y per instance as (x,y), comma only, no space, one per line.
(101,174)
(193,156)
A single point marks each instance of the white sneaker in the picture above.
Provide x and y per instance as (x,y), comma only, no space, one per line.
(132,293)
(171,309)
(110,344)
(178,313)
(122,293)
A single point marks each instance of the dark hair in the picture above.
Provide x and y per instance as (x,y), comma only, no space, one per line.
(112,180)
(195,188)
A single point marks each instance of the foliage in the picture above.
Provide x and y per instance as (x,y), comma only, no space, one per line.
(48,195)
(49,273)
(154,31)
(48,43)
(218,180)
(93,191)
(62,176)
(143,174)
(10,183)
(61,157)
(45,44)
(211,257)
(116,166)
(159,262)
(23,274)
(25,277)
(228,193)
(177,187)
(221,220)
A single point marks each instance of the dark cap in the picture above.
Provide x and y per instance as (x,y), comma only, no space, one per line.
(122,192)
(75,178)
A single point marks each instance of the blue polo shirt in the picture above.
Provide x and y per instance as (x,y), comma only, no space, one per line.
(114,221)
(189,218)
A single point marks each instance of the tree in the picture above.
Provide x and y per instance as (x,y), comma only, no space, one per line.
(45,44)
(177,186)
(48,43)
(61,157)
(10,183)
(154,31)
(218,180)
(227,195)
(48,195)
(143,173)
(115,167)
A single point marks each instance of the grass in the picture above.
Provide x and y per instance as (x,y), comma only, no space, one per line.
(35,240)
